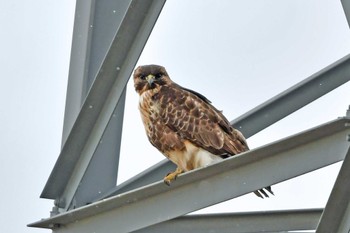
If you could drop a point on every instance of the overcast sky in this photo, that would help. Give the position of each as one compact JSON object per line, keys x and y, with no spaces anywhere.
{"x":237,"y":53}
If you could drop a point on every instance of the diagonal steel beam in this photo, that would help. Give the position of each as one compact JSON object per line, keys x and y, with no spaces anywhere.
{"x":79,"y":61}
{"x":336,"y":215}
{"x":346,"y":8}
{"x":101,"y":101}
{"x":294,"y":98}
{"x":94,"y":27}
{"x":246,"y":222}
{"x":260,"y":117}
{"x":233,"y":177}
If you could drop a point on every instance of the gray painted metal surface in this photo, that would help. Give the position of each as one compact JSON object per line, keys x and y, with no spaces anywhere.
{"x":336,"y":215}
{"x":247,"y":222}
{"x":101,"y":173}
{"x":104,"y":19}
{"x":155,"y":203}
{"x":107,"y":90}
{"x":294,"y":98}
{"x":91,"y":23}
{"x":260,"y":117}
{"x":105,"y":54}
{"x":346,"y":8}
{"x":79,"y":60}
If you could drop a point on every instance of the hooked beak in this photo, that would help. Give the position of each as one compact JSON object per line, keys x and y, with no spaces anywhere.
{"x":150,"y":79}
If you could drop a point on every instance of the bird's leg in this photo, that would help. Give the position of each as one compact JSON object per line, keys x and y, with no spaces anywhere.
{"x":172,"y":176}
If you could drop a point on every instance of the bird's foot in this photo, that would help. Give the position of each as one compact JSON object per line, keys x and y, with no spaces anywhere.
{"x":261,"y":192}
{"x":172,"y":176}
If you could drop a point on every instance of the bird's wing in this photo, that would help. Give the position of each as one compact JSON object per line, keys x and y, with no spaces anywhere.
{"x":192,"y":116}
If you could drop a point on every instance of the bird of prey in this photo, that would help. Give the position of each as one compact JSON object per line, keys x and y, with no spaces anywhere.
{"x":183,"y":124}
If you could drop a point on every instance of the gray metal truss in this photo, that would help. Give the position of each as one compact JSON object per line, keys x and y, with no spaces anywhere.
{"x":336,"y":216}
{"x":155,"y":203}
{"x":86,"y":151}
{"x":346,"y":8}
{"x":109,"y":36}
{"x":247,"y":222}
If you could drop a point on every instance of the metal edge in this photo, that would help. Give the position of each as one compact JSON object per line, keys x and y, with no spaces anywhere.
{"x":100,"y":90}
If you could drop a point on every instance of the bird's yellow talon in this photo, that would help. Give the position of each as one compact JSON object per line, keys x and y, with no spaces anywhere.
{"x":172,"y":176}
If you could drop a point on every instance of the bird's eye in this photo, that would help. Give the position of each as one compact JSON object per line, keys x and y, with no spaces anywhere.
{"x":143,"y":77}
{"x":158,"y":76}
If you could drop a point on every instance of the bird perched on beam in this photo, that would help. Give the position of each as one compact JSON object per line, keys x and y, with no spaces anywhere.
{"x":183,"y":124}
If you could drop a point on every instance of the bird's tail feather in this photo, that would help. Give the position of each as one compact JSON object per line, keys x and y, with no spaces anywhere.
{"x":261,"y":192}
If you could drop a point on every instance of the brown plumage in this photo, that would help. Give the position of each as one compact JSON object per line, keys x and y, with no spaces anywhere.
{"x":183,"y":124}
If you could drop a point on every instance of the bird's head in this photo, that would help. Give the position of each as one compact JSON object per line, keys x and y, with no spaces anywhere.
{"x":148,"y":77}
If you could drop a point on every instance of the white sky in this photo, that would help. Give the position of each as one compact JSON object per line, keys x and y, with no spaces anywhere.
{"x":236,"y":53}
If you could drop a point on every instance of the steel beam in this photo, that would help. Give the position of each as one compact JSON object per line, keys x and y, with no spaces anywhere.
{"x":246,"y":222}
{"x":150,"y":175}
{"x":79,"y":61}
{"x":260,"y":117}
{"x":346,"y":8}
{"x":93,"y":19}
{"x":336,"y":215}
{"x":294,"y":98}
{"x":106,"y":91}
{"x":233,"y":177}
{"x":102,"y":171}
